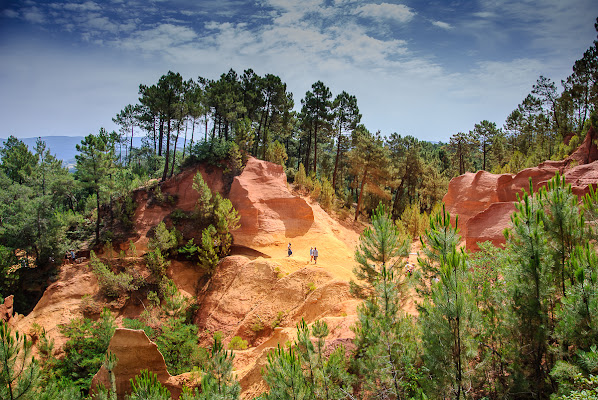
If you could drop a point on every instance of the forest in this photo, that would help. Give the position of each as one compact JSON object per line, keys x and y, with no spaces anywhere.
{"x":512,"y":323}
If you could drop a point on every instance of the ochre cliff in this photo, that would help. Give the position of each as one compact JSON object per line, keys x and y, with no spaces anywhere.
{"x":484,"y":202}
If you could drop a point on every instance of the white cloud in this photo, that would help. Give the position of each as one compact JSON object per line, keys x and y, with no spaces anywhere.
{"x":159,"y":38}
{"x":10,"y":13}
{"x":34,"y":15}
{"x":442,"y":25}
{"x":399,"y":12}
{"x":87,"y":6}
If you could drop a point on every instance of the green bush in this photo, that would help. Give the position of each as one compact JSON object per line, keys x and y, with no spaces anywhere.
{"x":146,"y":386}
{"x":163,"y":239}
{"x":87,"y":342}
{"x":111,"y":284}
{"x":236,"y":343}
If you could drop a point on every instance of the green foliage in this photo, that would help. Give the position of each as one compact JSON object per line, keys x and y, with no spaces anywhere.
{"x":218,"y":381}
{"x":85,"y":349}
{"x":94,"y":167}
{"x":585,"y":389}
{"x":163,"y":239}
{"x":136,"y":324}
{"x":303,"y":372}
{"x":203,"y":206}
{"x":18,"y":372}
{"x":437,"y":242}
{"x":236,"y":343}
{"x":124,"y":211}
{"x":17,"y":161}
{"x":316,"y":190}
{"x":387,"y":340}
{"x":111,"y":284}
{"x":413,"y":222}
{"x":327,"y":195}
{"x":379,"y":246}
{"x":146,"y":386}
{"x":156,"y":264}
{"x":278,"y":320}
{"x":577,"y":323}
{"x":276,"y":153}
{"x":447,"y":323}
{"x":301,"y":177}
{"x":530,"y":283}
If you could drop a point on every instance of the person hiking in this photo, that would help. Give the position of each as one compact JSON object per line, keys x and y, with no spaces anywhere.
{"x":289,"y":250}
{"x":311,"y":254}
{"x":315,"y":255}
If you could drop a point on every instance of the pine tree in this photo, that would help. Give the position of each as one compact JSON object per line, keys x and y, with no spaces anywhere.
{"x":146,"y":386}
{"x":437,"y":242}
{"x":94,"y":166}
{"x":387,"y":342}
{"x":284,"y":376}
{"x":203,"y":206}
{"x":446,"y":319}
{"x":379,"y":247}
{"x":564,"y":226}
{"x":531,"y":289}
{"x":218,"y":381}
{"x":18,"y":370}
{"x":304,"y":372}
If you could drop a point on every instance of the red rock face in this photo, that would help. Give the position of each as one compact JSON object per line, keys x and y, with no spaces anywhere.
{"x":267,"y":208}
{"x":6,"y":309}
{"x":484,"y":202}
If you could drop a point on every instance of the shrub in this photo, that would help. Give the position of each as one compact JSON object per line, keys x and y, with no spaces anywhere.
{"x":257,"y":325}
{"x":163,"y":239}
{"x":85,"y":348}
{"x":278,"y":320}
{"x":301,"y":177}
{"x":146,"y":386}
{"x":316,"y":190}
{"x":236,"y":343}
{"x":327,"y":195}
{"x":156,"y":264}
{"x":311,"y":287}
{"x":111,"y":284}
{"x":276,"y":153}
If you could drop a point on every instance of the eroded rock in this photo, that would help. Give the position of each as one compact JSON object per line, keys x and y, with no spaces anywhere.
{"x":134,"y":352}
{"x":485,"y":201}
{"x":266,"y":206}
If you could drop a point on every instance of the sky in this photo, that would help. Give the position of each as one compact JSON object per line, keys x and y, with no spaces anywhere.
{"x":428,"y":69}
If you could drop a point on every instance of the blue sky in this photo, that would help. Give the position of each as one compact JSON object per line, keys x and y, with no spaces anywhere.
{"x":424,"y":68}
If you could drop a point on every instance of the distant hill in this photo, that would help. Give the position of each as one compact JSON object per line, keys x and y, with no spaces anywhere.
{"x":62,"y":147}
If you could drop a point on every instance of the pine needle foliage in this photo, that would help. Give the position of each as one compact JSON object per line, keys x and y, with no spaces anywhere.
{"x":146,"y":386}
{"x":379,"y":246}
{"x":530,"y":282}
{"x":437,"y":242}
{"x":19,"y":372}
{"x":388,"y":348}
{"x":304,"y":372}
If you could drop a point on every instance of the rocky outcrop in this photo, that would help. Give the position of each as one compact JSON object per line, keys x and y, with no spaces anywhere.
{"x":134,"y":352}
{"x":61,"y":302}
{"x":6,"y":309}
{"x":485,"y":201}
{"x":262,"y":301}
{"x":267,"y":208}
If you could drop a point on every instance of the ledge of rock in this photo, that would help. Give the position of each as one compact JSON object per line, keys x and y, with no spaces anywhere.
{"x":267,"y":208}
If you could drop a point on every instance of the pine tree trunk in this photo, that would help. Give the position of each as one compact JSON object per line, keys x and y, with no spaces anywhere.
{"x":360,"y":193}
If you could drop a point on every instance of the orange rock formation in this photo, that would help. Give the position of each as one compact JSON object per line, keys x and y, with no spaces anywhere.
{"x":484,"y":202}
